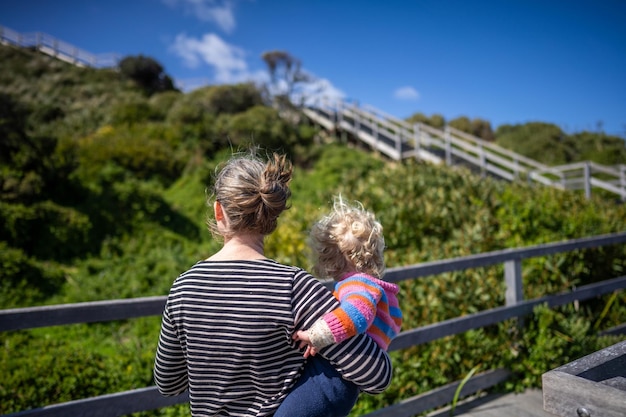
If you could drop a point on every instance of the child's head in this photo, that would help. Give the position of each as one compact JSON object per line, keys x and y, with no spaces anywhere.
{"x":349,"y":239}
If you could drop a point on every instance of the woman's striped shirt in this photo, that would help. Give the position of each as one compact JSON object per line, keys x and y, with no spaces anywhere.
{"x":226,"y":337}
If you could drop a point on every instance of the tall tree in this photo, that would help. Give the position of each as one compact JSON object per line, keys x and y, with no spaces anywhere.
{"x":147,"y":73}
{"x":286,"y":75}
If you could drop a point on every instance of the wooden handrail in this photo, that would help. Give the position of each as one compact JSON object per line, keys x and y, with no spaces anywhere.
{"x":98,"y":311}
{"x":52,"y":46}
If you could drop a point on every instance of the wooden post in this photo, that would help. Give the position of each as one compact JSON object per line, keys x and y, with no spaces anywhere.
{"x":399,"y":135}
{"x":622,"y":181}
{"x":483,"y":160}
{"x":416,"y":136}
{"x":513,"y":280}
{"x":375,"y":132}
{"x":448,"y":146}
{"x":587,"y":171}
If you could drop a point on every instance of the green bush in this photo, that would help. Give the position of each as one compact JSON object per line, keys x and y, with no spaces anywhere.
{"x":80,"y":361}
{"x":259,"y":126}
{"x":131,"y":113}
{"x":163,"y":102}
{"x":147,"y":73}
{"x":543,"y":142}
{"x":136,"y":149}
{"x":25,"y":281}
{"x":229,"y":99}
{"x":45,"y":230}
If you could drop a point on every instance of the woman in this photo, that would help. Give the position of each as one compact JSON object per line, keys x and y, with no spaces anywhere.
{"x":227,"y":327}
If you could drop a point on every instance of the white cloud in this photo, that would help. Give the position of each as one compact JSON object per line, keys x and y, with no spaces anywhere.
{"x":219,"y":12}
{"x":320,"y":89}
{"x":230,"y":66}
{"x":227,"y":60}
{"x":406,"y":93}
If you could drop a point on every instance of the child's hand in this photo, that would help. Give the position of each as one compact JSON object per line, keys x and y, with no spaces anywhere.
{"x":305,"y":341}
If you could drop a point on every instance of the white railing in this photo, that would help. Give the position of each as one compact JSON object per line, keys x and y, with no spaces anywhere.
{"x":59,"y":49}
{"x":399,"y":140}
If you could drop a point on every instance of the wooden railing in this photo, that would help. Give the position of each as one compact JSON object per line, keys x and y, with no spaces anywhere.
{"x":59,"y":49}
{"x":399,"y":140}
{"x":148,"y":398}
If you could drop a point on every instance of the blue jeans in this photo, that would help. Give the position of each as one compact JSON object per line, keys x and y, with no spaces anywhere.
{"x":320,"y":392}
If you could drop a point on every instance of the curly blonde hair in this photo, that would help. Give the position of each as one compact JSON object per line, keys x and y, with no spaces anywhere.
{"x":252,"y":192}
{"x":349,"y":239}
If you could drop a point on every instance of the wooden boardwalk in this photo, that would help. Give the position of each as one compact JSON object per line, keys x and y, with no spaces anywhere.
{"x":526,"y":404}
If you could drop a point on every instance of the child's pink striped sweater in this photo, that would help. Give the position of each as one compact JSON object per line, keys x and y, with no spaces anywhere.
{"x":367,"y":304}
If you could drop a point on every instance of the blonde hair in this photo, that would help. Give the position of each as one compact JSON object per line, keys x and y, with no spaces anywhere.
{"x":252,"y":193}
{"x":349,"y":239}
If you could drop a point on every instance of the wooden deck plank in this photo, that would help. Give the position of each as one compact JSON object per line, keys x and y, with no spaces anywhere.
{"x":526,"y":404}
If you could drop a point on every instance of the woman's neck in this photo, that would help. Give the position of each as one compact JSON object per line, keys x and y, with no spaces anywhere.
{"x":240,"y":247}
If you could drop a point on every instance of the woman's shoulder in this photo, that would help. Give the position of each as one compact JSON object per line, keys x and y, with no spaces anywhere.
{"x":268,"y":267}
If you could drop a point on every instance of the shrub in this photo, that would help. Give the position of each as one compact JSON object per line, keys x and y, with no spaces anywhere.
{"x":147,"y":73}
{"x":259,"y":126}
{"x":24,"y":281}
{"x":133,"y":148}
{"x":130,"y":113}
{"x":45,"y":230}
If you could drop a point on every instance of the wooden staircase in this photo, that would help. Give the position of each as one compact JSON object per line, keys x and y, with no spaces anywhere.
{"x":398,"y":140}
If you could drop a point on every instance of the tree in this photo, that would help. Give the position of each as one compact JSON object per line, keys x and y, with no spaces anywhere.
{"x":147,"y":73}
{"x":544,"y":142}
{"x":436,"y":120}
{"x":285,"y":74}
{"x":482,"y":129}
{"x":476,"y":127}
{"x":462,"y":123}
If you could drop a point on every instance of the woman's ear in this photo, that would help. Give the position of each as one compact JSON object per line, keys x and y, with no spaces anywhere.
{"x":219,"y":213}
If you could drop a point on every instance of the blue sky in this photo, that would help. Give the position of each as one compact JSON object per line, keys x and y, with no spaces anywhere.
{"x":505,"y":61}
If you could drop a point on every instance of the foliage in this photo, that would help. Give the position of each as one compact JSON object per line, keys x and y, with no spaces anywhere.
{"x":436,"y":120}
{"x":22,"y":277}
{"x":144,"y":151}
{"x":147,"y":73}
{"x":551,"y":338}
{"x":598,"y":147}
{"x":216,"y":100}
{"x":534,"y":139}
{"x":543,"y":142}
{"x":477,"y":127}
{"x":45,"y":230}
{"x":286,"y":75}
{"x":259,"y":126}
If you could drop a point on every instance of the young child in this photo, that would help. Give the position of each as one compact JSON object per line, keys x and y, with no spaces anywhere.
{"x":347,"y":246}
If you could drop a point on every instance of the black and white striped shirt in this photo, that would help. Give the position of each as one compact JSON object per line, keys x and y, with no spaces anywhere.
{"x":226,"y":337}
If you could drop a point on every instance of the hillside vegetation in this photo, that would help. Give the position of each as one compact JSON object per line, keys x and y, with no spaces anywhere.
{"x":102,"y":196}
{"x":544,"y":142}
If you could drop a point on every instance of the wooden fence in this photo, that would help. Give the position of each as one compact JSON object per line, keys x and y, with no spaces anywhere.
{"x":399,"y":140}
{"x":57,"y":48}
{"x":148,"y":398}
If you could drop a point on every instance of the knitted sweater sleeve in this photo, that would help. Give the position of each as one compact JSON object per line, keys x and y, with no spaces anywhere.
{"x":358,"y":359}
{"x":358,"y":297}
